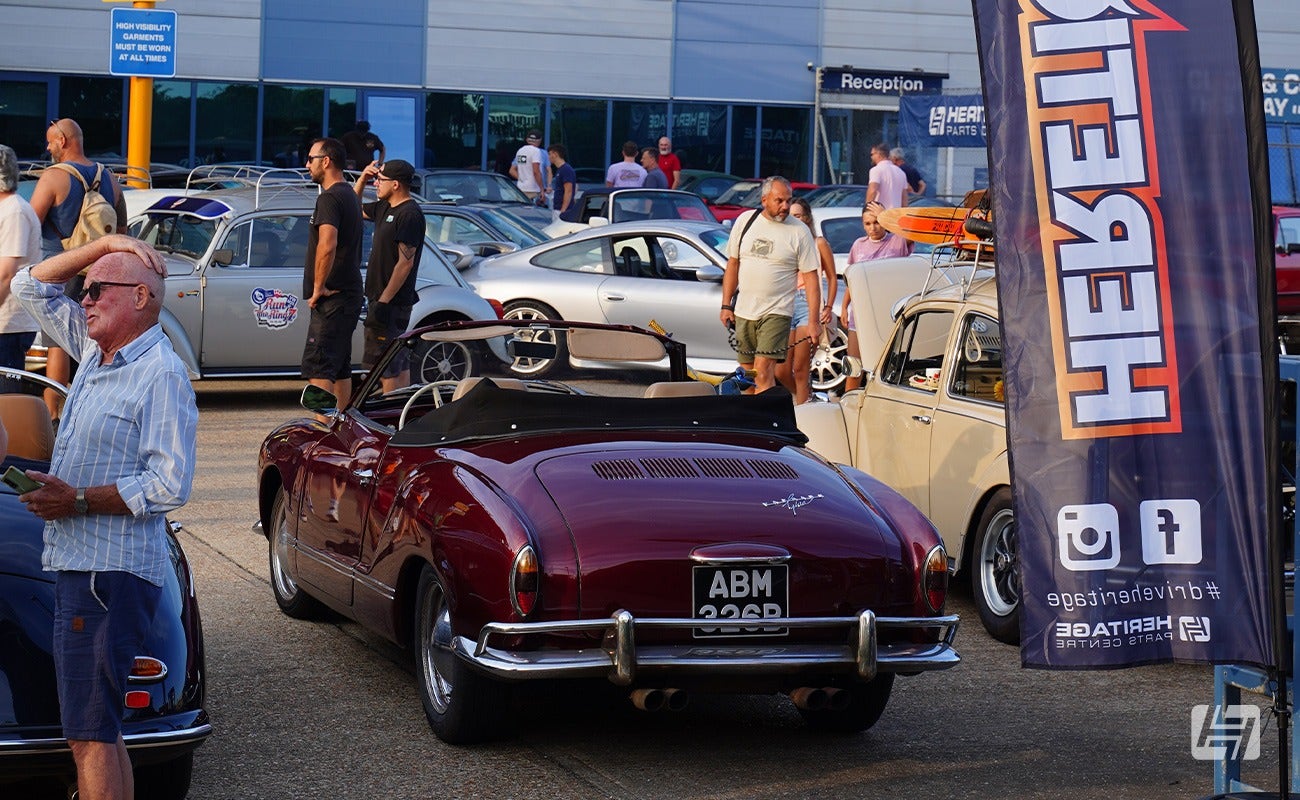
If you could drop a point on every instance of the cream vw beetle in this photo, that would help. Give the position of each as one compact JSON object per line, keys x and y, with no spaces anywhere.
{"x":234,"y":304}
{"x":929,"y":420}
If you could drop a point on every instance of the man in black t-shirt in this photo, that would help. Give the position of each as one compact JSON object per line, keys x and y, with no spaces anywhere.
{"x":394,"y":261}
{"x":332,"y":275}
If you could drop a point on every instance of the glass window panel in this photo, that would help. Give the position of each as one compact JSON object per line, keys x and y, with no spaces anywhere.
{"x":744,"y":120}
{"x":509,"y":120}
{"x":170,"y":137}
{"x":917,"y":346}
{"x":291,"y":119}
{"x":22,"y":116}
{"x":453,"y":130}
{"x":584,"y":256}
{"x":225,"y":122}
{"x":96,"y":105}
{"x":342,"y":111}
{"x":579,"y":125}
{"x":642,"y":123}
{"x":786,"y":134}
{"x":700,"y":136}
{"x":979,"y":362}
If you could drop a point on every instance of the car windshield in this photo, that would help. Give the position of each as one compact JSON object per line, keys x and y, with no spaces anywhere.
{"x":471,"y":187}
{"x":641,"y":205}
{"x":617,"y":378}
{"x":717,"y":239}
{"x":842,"y":233}
{"x":736,"y":194}
{"x":842,"y":197}
{"x":515,"y":228}
{"x":178,"y":233}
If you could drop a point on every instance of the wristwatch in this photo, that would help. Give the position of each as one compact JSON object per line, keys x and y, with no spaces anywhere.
{"x":80,"y":503}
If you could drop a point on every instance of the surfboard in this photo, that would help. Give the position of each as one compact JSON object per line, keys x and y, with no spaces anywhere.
{"x":926,"y":225}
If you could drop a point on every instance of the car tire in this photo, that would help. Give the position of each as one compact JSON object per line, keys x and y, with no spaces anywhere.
{"x":536,"y":367}
{"x":169,"y":780}
{"x":826,"y":364}
{"x":995,"y":569}
{"x":866,"y":703}
{"x":289,"y":596}
{"x":462,"y":706}
{"x":443,"y":361}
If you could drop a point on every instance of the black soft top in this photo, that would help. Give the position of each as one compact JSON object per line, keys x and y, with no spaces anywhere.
{"x":488,"y":411}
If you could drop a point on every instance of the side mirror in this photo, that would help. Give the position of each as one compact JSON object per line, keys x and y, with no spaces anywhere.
{"x":1292,"y":248}
{"x":318,"y":400}
{"x":492,"y":248}
{"x":596,"y":222}
{"x":223,"y":256}
{"x":708,"y":274}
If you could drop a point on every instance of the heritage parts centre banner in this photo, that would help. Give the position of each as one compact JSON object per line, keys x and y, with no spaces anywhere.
{"x":1132,"y":283}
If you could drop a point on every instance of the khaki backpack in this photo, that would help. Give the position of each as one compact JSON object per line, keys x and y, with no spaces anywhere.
{"x":98,"y":217}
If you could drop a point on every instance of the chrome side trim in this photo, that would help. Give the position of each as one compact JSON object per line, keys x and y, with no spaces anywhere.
{"x":621,"y":661}
{"x":375,"y":586}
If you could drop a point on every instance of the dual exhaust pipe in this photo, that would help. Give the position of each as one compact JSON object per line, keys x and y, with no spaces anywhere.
{"x":660,"y":699}
{"x":830,"y":698}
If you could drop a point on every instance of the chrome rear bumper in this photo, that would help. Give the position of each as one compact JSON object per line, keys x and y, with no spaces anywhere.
{"x":622,"y":661}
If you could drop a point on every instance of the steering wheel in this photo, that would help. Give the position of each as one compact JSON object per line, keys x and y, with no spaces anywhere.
{"x":436,"y":388}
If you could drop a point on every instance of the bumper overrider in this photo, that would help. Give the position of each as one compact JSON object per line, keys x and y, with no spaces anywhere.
{"x":622,"y":661}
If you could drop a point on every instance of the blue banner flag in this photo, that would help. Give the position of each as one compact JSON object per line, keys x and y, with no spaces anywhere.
{"x":1129,"y":187}
{"x":932,"y":120}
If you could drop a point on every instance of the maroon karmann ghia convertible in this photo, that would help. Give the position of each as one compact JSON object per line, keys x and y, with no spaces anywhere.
{"x":657,"y":536}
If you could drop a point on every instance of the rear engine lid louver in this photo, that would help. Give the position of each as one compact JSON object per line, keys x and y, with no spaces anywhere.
{"x":717,"y":468}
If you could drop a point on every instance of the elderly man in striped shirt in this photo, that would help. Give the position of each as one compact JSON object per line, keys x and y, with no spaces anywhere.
{"x":123,"y":458}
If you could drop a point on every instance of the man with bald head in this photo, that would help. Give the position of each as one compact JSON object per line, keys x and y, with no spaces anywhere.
{"x":57,"y":203}
{"x":123,"y":458}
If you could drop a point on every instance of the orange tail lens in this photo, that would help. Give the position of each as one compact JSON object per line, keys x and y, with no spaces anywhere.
{"x":934,"y":578}
{"x":524,"y":581}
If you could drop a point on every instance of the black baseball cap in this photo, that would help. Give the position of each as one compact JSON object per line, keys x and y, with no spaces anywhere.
{"x":398,"y":170}
{"x":535,"y":134}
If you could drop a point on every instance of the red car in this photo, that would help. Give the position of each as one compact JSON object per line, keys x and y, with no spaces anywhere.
{"x":641,"y":531}
{"x":746,"y":195}
{"x":1286,"y":232}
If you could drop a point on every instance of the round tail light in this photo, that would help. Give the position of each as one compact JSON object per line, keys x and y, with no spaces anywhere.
{"x":934,"y":578}
{"x":524,"y":581}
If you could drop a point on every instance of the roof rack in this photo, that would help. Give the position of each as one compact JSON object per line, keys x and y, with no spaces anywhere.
{"x":260,"y":178}
{"x":968,"y":264}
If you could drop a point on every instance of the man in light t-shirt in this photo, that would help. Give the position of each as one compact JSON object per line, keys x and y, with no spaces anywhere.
{"x":766,"y":251}
{"x":527,"y":169}
{"x":886,"y":183}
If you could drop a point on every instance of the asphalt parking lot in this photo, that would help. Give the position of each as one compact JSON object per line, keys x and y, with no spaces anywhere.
{"x":325,"y":710}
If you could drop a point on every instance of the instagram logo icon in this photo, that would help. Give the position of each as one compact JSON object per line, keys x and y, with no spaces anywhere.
{"x":1088,"y":536}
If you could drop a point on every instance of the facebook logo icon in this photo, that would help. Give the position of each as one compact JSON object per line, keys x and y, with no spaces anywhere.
{"x":1171,"y":531}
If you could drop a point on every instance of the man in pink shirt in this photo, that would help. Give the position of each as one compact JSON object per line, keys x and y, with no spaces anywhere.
{"x":886,"y":183}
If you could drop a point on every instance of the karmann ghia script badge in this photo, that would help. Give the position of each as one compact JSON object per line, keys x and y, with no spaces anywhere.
{"x":794,"y":502}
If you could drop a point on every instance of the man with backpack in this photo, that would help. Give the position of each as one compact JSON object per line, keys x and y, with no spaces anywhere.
{"x":71,"y":214}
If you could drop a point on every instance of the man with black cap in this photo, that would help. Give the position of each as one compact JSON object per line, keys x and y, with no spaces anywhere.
{"x":394,"y":261}
{"x":527,"y":169}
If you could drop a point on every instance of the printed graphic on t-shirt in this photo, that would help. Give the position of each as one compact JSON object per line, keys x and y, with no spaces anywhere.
{"x":762,"y":248}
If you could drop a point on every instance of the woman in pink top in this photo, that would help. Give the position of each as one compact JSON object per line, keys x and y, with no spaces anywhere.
{"x":878,"y":243}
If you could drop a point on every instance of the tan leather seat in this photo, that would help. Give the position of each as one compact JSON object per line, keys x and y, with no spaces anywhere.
{"x":466,"y":384}
{"x":679,"y":389}
{"x":27,"y":421}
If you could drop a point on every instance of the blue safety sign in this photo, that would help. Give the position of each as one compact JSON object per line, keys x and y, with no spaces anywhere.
{"x":142,"y":43}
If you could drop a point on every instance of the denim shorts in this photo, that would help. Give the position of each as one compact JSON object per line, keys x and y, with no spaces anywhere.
{"x":100,"y":623}
{"x":800,"y":317}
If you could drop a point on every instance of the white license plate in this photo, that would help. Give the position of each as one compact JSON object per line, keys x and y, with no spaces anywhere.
{"x":741,"y":592}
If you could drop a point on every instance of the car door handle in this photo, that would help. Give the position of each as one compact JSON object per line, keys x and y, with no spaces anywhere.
{"x":615,"y":298}
{"x":924,"y":419}
{"x":194,"y":293}
{"x":363,"y":475}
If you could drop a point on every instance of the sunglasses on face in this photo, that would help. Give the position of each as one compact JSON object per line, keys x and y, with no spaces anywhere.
{"x":96,"y":288}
